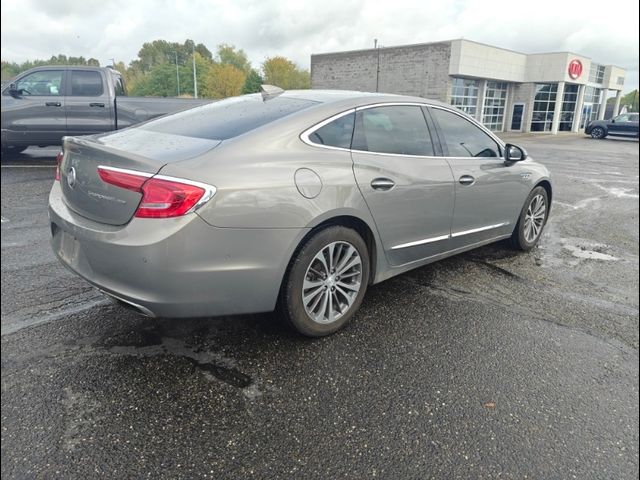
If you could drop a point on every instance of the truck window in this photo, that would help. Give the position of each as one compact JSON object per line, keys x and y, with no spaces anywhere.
{"x":43,"y":83}
{"x":118,"y":84}
{"x":86,"y":83}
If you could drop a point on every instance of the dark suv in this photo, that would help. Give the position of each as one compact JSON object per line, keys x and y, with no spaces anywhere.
{"x":624,"y":125}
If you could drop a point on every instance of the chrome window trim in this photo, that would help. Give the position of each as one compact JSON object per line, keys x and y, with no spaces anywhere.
{"x":447,"y":237}
{"x":304,"y":136}
{"x":209,"y":190}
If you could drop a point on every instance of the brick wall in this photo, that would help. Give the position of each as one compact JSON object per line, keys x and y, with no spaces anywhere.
{"x":420,"y":70}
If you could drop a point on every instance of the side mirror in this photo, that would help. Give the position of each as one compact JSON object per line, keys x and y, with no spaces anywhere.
{"x":613,"y":120}
{"x":13,"y":91}
{"x":513,"y":153}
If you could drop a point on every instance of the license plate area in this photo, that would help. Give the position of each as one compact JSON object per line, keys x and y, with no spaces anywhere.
{"x":68,"y":247}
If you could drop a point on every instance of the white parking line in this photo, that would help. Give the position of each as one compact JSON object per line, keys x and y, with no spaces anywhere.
{"x":4,"y":220}
{"x":28,"y":166}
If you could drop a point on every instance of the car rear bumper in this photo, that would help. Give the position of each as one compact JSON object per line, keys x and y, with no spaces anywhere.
{"x":177,"y":267}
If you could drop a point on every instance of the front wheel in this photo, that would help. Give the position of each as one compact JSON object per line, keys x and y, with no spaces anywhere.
{"x":598,"y":133}
{"x":533,"y":218}
{"x":326,"y":282}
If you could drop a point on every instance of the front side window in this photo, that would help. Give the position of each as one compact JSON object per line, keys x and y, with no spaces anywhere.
{"x":463,"y":138}
{"x":335,"y":134}
{"x":43,"y":83}
{"x":394,"y":130}
{"x":86,"y":84}
{"x":622,"y":118}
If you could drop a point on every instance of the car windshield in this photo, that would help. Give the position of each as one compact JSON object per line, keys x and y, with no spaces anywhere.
{"x":228,"y":118}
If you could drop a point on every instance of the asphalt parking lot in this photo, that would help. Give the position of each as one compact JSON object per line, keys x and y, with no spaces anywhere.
{"x":490,"y":364}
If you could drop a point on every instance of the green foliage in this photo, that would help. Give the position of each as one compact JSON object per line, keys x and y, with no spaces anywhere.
{"x":283,"y":73}
{"x":630,"y":100}
{"x":229,"y":55}
{"x":11,"y":69}
{"x":153,"y":72}
{"x":224,"y":80}
{"x":252,"y":82}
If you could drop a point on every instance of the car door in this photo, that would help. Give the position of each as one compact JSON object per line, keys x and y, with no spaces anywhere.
{"x":35,"y":115}
{"x":408,"y":189}
{"x":619,"y":125}
{"x":88,"y":107}
{"x":489,"y":192}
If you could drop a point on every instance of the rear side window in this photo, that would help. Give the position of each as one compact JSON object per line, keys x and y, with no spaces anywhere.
{"x":463,"y":138}
{"x":335,"y":134}
{"x":86,"y":84}
{"x":395,"y":129}
{"x":227,"y":118}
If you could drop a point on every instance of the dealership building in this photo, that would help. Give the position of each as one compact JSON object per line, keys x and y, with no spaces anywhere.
{"x":503,"y":89}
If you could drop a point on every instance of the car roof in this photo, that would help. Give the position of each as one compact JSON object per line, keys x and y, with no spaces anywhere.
{"x":353,"y":98}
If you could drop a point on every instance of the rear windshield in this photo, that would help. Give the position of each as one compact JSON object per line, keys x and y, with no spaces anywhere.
{"x":227,"y":118}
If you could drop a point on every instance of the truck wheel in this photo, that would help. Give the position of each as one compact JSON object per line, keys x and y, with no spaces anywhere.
{"x":326,"y":282}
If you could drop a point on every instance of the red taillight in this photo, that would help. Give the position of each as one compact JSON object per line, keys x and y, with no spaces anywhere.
{"x":167,"y":198}
{"x":162,"y":197}
{"x":58,"y":162}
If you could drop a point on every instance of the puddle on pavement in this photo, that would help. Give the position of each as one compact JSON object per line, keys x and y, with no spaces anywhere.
{"x":150,"y":343}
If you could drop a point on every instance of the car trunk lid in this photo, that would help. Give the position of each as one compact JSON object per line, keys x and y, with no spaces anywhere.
{"x":139,"y":151}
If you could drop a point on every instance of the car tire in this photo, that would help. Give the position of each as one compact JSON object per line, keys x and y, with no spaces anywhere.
{"x":315,"y":299}
{"x":598,"y":133}
{"x":532,"y":220}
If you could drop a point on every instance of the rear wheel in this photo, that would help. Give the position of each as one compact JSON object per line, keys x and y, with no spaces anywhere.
{"x":533,"y":218}
{"x":598,"y":133}
{"x":326,"y":282}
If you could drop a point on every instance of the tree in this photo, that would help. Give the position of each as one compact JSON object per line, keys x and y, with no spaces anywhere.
{"x":223,"y":80}
{"x":252,"y":82}
{"x":229,"y":55}
{"x":630,"y":100}
{"x":283,"y":73}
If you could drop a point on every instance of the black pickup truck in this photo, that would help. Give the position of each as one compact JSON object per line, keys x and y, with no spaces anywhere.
{"x":43,"y":104}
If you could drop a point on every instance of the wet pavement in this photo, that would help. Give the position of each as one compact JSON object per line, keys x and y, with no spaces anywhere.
{"x":490,"y":364}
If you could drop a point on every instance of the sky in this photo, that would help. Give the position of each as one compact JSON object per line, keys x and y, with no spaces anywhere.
{"x":106,"y":29}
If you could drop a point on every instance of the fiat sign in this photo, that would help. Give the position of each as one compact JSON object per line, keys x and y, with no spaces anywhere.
{"x":575,"y":69}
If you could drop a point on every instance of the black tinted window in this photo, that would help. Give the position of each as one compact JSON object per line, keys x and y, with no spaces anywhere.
{"x":43,"y":83}
{"x":463,"y":138}
{"x":335,"y":134}
{"x":397,"y":129}
{"x":86,"y":84}
{"x":227,"y":118}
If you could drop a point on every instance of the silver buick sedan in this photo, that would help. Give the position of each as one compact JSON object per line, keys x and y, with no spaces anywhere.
{"x":290,"y":201}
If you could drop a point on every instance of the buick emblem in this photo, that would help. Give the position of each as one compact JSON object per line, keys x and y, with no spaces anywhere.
{"x":71,"y":178}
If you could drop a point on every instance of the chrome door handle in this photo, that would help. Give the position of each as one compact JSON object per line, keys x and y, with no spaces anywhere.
{"x":382,"y":184}
{"x":467,"y":180}
{"x":96,"y":104}
{"x":53,"y":104}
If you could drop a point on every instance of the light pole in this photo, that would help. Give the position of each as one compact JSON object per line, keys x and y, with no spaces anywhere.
{"x":177,"y":73}
{"x":195,"y":78}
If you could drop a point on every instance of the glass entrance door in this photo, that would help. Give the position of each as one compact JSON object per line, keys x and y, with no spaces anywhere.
{"x":586,"y":114}
{"x":516,"y":117}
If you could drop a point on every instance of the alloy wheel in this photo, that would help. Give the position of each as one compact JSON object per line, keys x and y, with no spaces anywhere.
{"x":534,"y":218}
{"x":332,"y":282}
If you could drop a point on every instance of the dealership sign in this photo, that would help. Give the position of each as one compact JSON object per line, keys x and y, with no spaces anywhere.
{"x":575,"y":69}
